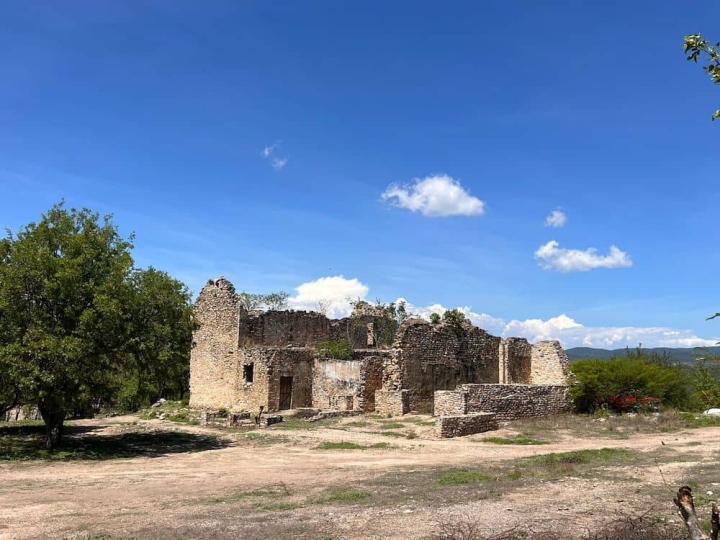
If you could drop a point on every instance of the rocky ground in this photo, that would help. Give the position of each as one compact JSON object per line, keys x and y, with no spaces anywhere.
{"x":358,"y":477}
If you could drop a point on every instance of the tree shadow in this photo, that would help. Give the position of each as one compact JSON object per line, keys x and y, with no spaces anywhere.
{"x":26,"y":442}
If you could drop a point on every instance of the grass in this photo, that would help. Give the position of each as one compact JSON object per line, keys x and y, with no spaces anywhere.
{"x":360,"y":423}
{"x":460,"y":477}
{"x":392,"y":425}
{"x":269,"y":493}
{"x":346,"y":497}
{"x":517,"y":439}
{"x":346,"y":445}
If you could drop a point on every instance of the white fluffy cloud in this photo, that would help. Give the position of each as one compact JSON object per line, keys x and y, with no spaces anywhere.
{"x":438,"y":195}
{"x":331,"y":292}
{"x":573,"y":334}
{"x":553,"y":257}
{"x":557,"y":218}
{"x":334,"y":292}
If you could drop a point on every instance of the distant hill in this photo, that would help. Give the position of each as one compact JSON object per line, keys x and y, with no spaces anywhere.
{"x":679,"y":355}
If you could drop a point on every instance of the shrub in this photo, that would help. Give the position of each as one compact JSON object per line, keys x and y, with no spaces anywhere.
{"x":339,"y":350}
{"x":628,"y":384}
{"x":434,"y":318}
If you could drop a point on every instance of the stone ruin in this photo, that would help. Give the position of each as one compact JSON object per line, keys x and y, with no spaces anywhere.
{"x":279,"y":360}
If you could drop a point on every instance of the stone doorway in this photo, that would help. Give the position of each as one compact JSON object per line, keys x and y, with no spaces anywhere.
{"x":285,"y":393}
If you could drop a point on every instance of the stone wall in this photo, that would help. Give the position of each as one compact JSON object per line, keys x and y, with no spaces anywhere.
{"x":214,"y":358}
{"x":549,"y":363}
{"x":429,"y":357}
{"x":336,"y":384}
{"x":515,"y":361}
{"x":466,"y":424}
{"x":509,"y":401}
{"x":450,"y":403}
{"x":392,"y":402}
{"x":371,"y":377}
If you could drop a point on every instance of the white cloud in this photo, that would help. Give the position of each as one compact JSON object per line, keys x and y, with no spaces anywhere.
{"x":279,"y":163}
{"x":270,"y":152}
{"x":434,"y":196}
{"x":483,"y":320}
{"x":557,"y":218}
{"x":267,"y":151}
{"x":553,"y":257}
{"x":333,"y":291}
{"x":573,"y":334}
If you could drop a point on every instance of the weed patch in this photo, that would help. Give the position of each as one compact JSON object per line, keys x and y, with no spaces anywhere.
{"x":459,"y":477}
{"x":518,"y":439}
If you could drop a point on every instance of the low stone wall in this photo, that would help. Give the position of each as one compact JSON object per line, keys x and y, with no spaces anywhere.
{"x":392,"y":402}
{"x":465,"y":424}
{"x":507,"y":401}
{"x":450,"y":402}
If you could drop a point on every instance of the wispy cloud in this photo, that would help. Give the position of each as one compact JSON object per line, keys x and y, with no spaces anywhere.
{"x":270,"y":153}
{"x":552,"y":257}
{"x":438,"y":195}
{"x":279,"y":163}
{"x":557,"y":218}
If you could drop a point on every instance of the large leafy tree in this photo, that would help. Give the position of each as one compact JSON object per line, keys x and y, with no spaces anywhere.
{"x":161,"y":335}
{"x":64,"y":300}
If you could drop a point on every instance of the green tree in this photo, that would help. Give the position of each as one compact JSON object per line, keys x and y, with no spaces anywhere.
{"x":453,"y":316}
{"x":435,"y":318}
{"x":64,"y":296}
{"x":162,"y":323}
{"x":696,"y":46}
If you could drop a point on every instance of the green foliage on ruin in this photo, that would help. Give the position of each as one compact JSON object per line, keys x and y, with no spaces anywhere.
{"x":435,"y":318}
{"x":272,"y":301}
{"x":338,"y":350}
{"x":453,"y":316}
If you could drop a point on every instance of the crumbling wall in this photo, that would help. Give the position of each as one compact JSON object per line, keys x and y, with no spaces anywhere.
{"x":507,"y":401}
{"x":549,"y":363}
{"x":295,"y":363}
{"x":429,"y":357}
{"x":371,"y":377}
{"x":515,"y":361}
{"x":336,"y":384}
{"x":284,"y":329}
{"x":465,"y":424}
{"x":392,"y":402}
{"x":214,"y":358}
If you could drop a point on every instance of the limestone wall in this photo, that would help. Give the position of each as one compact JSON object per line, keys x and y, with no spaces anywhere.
{"x":515,"y":361}
{"x":466,"y":424}
{"x":429,"y":357}
{"x":392,"y":402}
{"x":549,"y":363}
{"x":509,"y":401}
{"x":371,"y":377}
{"x":336,"y":384}
{"x":214,"y":358}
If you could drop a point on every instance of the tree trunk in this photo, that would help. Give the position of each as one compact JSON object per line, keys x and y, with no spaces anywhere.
{"x":684,"y":502}
{"x":53,"y":414}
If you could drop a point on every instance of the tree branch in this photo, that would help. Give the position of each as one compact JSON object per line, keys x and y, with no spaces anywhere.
{"x":684,"y":502}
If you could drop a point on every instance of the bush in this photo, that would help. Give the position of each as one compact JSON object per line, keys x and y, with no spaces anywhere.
{"x":339,"y":350}
{"x":625,"y":384}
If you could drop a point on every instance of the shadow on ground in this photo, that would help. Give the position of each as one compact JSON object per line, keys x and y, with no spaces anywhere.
{"x":26,"y":442}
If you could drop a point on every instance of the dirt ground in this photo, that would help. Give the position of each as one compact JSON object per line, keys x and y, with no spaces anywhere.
{"x":279,"y":483}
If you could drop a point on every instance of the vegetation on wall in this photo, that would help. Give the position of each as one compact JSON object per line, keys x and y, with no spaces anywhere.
{"x":273,"y":301}
{"x":338,"y":350}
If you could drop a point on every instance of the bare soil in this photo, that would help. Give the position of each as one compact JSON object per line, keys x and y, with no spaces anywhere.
{"x":278,"y":483}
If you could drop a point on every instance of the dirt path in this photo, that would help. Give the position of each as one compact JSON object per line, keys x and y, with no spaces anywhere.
{"x":193,"y":494}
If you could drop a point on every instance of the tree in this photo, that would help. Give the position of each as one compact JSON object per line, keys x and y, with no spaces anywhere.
{"x":272,"y":301}
{"x":435,"y":318}
{"x":453,"y":316}
{"x":277,"y":300}
{"x":696,"y":47}
{"x":64,"y":297}
{"x":161,"y":335}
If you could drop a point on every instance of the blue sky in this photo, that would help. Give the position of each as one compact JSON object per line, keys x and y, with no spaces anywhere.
{"x":453,"y":154}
